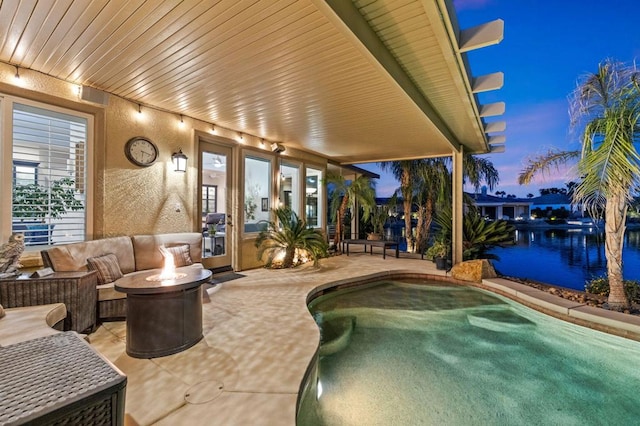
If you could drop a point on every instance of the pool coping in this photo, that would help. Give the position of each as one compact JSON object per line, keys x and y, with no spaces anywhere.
{"x":612,"y":322}
{"x":617,"y":323}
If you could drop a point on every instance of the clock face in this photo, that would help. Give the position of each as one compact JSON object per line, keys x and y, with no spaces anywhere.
{"x":141,"y":151}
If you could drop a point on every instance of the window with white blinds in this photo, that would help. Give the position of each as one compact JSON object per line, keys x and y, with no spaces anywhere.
{"x":49,"y":175}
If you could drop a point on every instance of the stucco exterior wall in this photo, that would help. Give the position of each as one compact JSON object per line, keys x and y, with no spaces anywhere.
{"x":128,"y":199}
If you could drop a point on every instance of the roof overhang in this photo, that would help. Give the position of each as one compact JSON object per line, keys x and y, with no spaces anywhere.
{"x":355,"y":81}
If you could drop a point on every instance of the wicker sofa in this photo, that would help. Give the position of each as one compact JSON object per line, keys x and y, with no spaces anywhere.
{"x":135,"y":254}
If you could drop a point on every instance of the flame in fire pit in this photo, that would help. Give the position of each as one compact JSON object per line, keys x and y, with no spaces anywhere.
{"x":168,"y":272}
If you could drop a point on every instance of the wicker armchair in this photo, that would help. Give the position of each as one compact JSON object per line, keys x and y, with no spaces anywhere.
{"x":77,"y":290}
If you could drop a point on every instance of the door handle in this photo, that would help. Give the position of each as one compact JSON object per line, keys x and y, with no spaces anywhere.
{"x":229,"y":220}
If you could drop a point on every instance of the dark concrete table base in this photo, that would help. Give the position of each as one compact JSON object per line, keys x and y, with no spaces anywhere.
{"x":165,"y":319}
{"x":163,"y":324}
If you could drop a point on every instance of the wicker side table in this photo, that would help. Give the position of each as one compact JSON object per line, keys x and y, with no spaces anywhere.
{"x":59,"y":380}
{"x":77,"y":290}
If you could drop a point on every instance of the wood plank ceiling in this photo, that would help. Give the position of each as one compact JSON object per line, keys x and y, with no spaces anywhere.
{"x":282,"y":70}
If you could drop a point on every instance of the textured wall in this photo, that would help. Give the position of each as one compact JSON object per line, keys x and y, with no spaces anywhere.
{"x":146,"y":199}
{"x":134,"y":200}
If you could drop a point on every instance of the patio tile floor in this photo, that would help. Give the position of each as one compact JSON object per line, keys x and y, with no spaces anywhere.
{"x":258,"y":341}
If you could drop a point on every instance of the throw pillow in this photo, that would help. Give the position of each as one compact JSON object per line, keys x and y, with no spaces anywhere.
{"x":181,"y":256}
{"x":107,"y":266}
{"x":2,"y":313}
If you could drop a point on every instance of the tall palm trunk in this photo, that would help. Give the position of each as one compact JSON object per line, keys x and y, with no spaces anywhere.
{"x":407,"y":196}
{"x":289,"y":255}
{"x":339,"y":222}
{"x":615,"y":215}
{"x":419,"y":238}
{"x":425,"y":218}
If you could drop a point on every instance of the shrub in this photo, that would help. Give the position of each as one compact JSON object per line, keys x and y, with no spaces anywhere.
{"x":479,"y":236}
{"x":600,"y":285}
{"x":289,"y":236}
{"x":438,"y":249}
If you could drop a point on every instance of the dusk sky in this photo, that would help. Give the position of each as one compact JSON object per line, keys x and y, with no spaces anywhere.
{"x":548,"y":45}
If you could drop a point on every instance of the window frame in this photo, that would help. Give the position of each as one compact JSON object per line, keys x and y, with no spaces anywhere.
{"x":7,"y":103}
{"x":321,"y":205}
{"x":260,"y":156}
{"x":21,"y":163}
{"x":215,"y":199}
{"x":295,"y":191}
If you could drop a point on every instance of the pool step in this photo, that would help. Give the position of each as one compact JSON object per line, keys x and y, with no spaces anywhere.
{"x":336,"y":334}
{"x":500,"y":320}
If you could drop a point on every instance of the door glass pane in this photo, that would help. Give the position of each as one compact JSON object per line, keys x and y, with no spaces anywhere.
{"x":257,"y":178}
{"x":290,"y":187}
{"x":313,"y":194}
{"x":214,"y":209}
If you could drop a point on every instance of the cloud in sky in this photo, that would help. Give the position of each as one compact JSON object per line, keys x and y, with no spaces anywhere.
{"x":540,"y":72}
{"x":532,"y":130}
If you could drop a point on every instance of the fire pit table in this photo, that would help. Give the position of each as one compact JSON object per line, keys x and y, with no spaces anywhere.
{"x":164,"y":316}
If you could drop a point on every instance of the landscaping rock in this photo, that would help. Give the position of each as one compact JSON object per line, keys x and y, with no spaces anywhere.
{"x":473,"y":270}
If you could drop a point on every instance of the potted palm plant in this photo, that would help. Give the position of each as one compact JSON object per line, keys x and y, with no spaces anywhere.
{"x":288,"y":239}
{"x":438,"y":252}
{"x":34,"y":203}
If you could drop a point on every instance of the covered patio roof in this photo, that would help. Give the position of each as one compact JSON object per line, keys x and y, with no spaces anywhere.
{"x":359,"y":81}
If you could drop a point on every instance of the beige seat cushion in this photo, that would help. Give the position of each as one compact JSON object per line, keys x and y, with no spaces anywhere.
{"x":147,"y":252}
{"x":73,"y":257}
{"x":30,"y":322}
{"x":108,"y":292}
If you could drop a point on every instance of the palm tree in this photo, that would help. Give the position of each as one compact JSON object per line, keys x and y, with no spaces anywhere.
{"x":345,"y":194}
{"x":427,"y":184}
{"x":477,"y":170}
{"x":433,"y":184}
{"x":288,"y":235}
{"x":406,"y":171}
{"x":605,"y":108}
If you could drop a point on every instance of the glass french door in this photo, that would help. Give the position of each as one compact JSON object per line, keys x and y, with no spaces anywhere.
{"x":215,"y":196}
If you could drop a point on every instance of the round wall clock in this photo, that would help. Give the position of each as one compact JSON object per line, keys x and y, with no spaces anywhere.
{"x":141,"y":151}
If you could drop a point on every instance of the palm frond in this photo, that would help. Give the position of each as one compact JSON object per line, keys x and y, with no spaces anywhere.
{"x":553,"y":159}
{"x":478,"y":170}
{"x":287,"y":234}
{"x":610,"y":163}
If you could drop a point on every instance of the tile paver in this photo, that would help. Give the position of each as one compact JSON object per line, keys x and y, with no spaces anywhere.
{"x":259,"y":340}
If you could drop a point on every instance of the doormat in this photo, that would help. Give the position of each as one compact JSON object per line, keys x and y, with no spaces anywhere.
{"x":224,"y":277}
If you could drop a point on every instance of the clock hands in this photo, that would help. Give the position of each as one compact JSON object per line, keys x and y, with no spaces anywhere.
{"x":140,"y":151}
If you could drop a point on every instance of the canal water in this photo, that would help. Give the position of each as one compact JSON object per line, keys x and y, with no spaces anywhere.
{"x":564,"y":257}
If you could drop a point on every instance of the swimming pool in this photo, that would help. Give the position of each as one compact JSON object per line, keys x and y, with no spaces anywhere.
{"x":404,"y":352}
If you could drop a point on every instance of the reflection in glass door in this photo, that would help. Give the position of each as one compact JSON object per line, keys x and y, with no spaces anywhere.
{"x":215,"y":162}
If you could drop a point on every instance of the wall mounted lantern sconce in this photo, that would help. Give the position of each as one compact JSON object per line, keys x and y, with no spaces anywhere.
{"x":179,"y":161}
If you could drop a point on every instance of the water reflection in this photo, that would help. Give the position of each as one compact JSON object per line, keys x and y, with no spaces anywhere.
{"x":564,"y":257}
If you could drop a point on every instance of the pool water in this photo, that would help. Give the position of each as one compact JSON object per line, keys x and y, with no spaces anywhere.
{"x":406,"y":353}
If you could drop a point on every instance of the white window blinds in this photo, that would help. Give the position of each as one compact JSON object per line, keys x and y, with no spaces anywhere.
{"x":49,"y":163}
